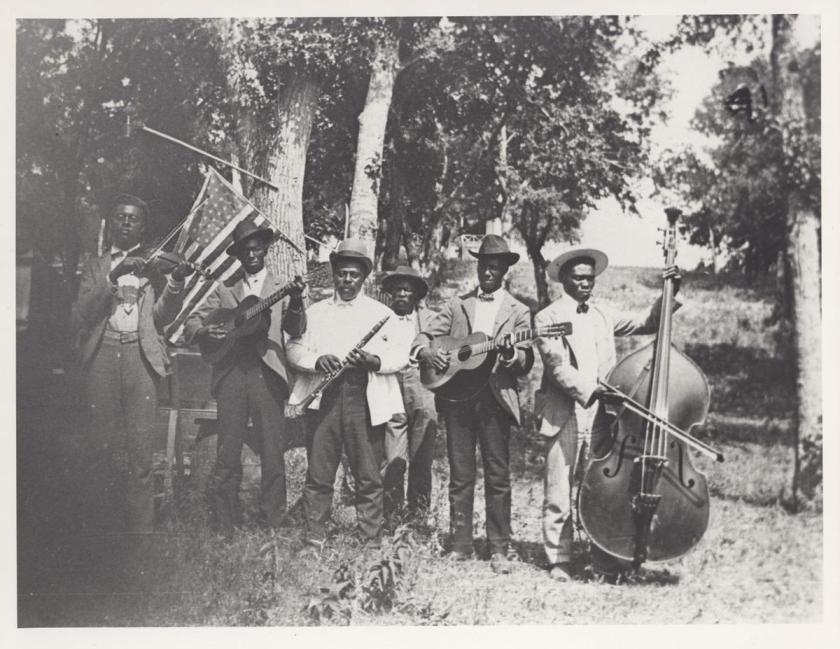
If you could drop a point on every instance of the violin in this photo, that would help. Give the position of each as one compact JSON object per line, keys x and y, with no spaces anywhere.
{"x":643,"y":500}
{"x":165,"y":262}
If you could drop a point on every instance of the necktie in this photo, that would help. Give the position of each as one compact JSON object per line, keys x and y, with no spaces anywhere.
{"x":485,"y":297}
{"x":583,"y":307}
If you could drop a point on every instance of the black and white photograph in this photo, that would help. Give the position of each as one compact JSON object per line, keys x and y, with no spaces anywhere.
{"x":421,"y":317}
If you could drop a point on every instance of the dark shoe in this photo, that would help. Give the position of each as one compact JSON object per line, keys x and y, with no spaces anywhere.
{"x":500,"y":564}
{"x":560,"y":572}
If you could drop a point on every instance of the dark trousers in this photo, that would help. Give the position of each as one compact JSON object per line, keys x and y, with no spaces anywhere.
{"x":250,"y":390}
{"x":418,"y":428}
{"x":480,"y":420}
{"x":342,"y":422}
{"x":121,"y":395}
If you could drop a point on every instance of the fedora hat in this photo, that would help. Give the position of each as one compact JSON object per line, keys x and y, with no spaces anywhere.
{"x":598,"y":258}
{"x":245,"y":230}
{"x":354,"y":249}
{"x":406,"y":272}
{"x":492,"y":245}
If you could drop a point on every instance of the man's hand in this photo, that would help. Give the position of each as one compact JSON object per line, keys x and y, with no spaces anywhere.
{"x":364,"y":360}
{"x":609,"y":397}
{"x":438,"y":359}
{"x":126,"y":267}
{"x":181,"y":272}
{"x":507,"y":350}
{"x":212,"y":332}
{"x":673,"y":272}
{"x":328,"y":363}
{"x":296,"y":288}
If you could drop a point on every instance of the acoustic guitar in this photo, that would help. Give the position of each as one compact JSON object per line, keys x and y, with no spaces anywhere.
{"x":250,"y":316}
{"x":471,"y":360}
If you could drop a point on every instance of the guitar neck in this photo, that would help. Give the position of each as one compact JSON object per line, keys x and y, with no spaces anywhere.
{"x":274,"y":298}
{"x":495,"y":343}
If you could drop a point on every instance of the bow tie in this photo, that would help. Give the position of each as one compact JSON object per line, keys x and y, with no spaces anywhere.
{"x":486,"y":297}
{"x":583,"y":307}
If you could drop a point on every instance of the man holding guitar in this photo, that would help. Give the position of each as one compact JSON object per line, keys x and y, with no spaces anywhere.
{"x":486,"y":417}
{"x":250,"y":380}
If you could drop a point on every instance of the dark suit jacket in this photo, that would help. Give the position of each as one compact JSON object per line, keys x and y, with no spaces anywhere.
{"x":271,"y":349}
{"x":455,"y":319}
{"x":95,"y":303}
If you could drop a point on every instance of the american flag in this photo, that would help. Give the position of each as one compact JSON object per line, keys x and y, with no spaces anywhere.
{"x":204,"y":238}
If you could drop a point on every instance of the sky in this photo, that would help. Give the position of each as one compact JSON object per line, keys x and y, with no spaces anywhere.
{"x":631,"y":240}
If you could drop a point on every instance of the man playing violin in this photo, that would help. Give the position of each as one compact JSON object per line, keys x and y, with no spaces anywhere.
{"x":252,"y":382}
{"x":120,"y":311}
{"x":572,"y":367}
{"x":486,"y":418}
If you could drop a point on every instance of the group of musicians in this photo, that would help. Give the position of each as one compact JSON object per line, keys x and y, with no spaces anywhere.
{"x":377,"y":413}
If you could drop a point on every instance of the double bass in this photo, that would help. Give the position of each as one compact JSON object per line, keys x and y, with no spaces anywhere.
{"x":643,"y":500}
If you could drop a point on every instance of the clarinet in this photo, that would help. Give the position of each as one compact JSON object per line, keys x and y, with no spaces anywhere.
{"x":295,"y":410}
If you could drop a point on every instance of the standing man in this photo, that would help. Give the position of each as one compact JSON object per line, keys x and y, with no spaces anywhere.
{"x":252,"y":381}
{"x":485,"y":419}
{"x":410,"y":436}
{"x":119,"y":314}
{"x":572,"y":368}
{"x":351,"y":413}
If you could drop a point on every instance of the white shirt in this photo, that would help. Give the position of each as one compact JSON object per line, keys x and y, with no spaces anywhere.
{"x":253,"y":284}
{"x":485,"y":311}
{"x":334,"y":326}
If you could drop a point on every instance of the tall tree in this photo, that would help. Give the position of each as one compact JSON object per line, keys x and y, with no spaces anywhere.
{"x":803,"y":250}
{"x":367,"y":176}
{"x":794,"y":123}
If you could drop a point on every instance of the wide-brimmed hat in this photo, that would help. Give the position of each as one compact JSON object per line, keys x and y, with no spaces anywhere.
{"x":354,"y":249}
{"x":492,"y":245}
{"x":598,"y":258}
{"x":408,"y":273}
{"x":246,"y":230}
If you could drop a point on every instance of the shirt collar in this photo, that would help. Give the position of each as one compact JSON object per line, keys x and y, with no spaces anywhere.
{"x":495,"y":294}
{"x":120,"y":252}
{"x":256,"y":277}
{"x":337,"y":301}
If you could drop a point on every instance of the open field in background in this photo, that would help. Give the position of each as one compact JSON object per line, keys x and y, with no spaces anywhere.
{"x":757,"y":563}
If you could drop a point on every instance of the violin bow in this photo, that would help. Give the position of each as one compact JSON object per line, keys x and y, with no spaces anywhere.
{"x":634,"y":406}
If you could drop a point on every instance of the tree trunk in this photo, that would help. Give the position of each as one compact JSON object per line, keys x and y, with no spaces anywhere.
{"x":540,"y":264}
{"x":372,"y":121}
{"x":284,"y":165}
{"x":395,"y":224}
{"x":804,"y":254}
{"x":713,"y":242}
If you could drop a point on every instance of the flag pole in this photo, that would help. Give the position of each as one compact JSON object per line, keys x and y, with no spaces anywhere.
{"x":206,"y":155}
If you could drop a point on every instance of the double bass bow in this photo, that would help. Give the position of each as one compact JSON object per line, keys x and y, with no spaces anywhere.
{"x":643,"y":500}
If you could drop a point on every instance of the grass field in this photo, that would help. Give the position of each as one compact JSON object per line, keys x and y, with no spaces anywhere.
{"x":756,"y":563}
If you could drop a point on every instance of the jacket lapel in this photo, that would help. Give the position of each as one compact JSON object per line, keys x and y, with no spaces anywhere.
{"x":504,"y":312}
{"x":270,"y":285}
{"x":468,"y":307}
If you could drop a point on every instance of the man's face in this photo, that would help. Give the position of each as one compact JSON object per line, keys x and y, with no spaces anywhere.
{"x":252,"y":254}
{"x":127,"y":225}
{"x":491,"y":271}
{"x":578,"y":280}
{"x":348,"y":277}
{"x":403,"y":296}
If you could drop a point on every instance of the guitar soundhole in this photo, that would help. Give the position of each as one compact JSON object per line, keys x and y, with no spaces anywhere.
{"x":464,"y":353}
{"x":239,"y":321}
